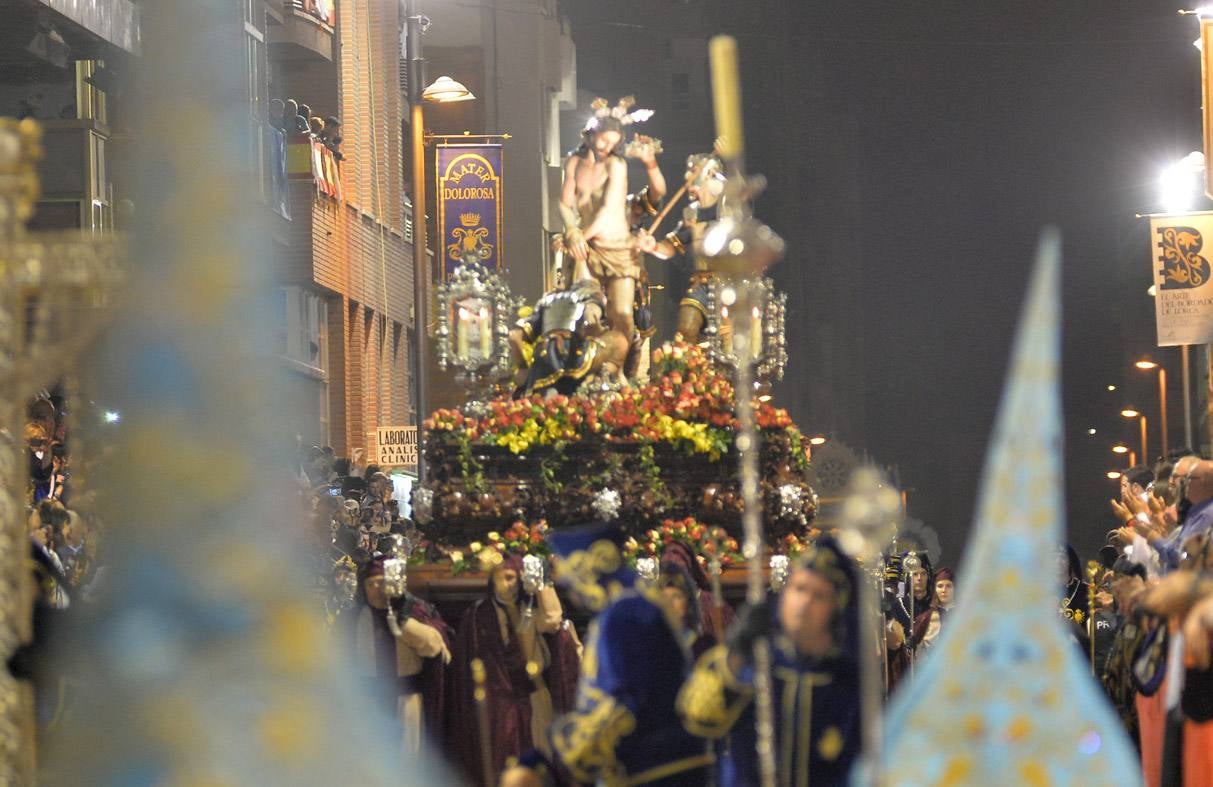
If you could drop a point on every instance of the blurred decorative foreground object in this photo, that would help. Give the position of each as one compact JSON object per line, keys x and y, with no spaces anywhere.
{"x":205,"y":660}
{"x":1005,"y":699}
{"x":55,"y":289}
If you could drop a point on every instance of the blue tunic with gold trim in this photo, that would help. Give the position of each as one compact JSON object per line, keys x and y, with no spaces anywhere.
{"x":816,"y":704}
{"x":625,"y":729}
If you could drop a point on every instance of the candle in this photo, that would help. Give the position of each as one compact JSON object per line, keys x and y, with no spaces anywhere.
{"x":756,"y":332}
{"x":462,"y":340}
{"x":486,"y":335}
{"x":726,"y":95}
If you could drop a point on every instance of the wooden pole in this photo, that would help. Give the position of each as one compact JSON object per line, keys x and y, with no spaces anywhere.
{"x":1187,"y":384}
{"x":480,"y":694}
{"x":1162,"y":406}
{"x":421,"y":262}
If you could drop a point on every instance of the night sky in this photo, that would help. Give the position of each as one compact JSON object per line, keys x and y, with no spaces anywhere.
{"x":915,"y":151}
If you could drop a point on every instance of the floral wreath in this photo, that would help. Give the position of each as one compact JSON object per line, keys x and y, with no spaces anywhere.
{"x":706,"y":543}
{"x":794,"y":546}
{"x":520,"y":539}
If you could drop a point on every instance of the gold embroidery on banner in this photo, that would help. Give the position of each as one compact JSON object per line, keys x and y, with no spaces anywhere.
{"x":583,"y":569}
{"x":704,"y":702}
{"x":586,"y":739}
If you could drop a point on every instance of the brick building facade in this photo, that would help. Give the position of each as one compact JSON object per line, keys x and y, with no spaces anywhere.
{"x":345,"y":265}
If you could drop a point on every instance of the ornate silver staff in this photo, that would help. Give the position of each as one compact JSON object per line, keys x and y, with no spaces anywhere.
{"x":910,"y":566}
{"x":739,"y":248}
{"x":870,"y":514}
{"x":396,"y":579}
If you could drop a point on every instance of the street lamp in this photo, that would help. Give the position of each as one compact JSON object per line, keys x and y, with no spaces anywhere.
{"x":1130,"y":413}
{"x":1145,"y":364}
{"x":444,"y":90}
{"x":1181,"y":183}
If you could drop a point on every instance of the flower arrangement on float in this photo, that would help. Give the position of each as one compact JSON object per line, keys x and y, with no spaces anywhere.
{"x":794,"y":545}
{"x":519,"y":539}
{"x":707,"y":543}
{"x":687,"y":404}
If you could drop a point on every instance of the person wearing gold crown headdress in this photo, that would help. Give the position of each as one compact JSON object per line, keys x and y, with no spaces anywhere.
{"x":593,"y":205}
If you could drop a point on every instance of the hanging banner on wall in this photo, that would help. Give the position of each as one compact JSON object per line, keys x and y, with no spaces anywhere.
{"x":469,"y":204}
{"x":1182,"y":245}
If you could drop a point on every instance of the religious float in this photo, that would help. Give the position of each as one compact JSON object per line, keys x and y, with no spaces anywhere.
{"x":660,"y":455}
{"x":665,"y":449}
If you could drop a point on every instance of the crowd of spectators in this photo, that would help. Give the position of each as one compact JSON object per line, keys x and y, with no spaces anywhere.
{"x":354,"y":519}
{"x":1152,"y":590}
{"x":295,"y":119}
{"x":64,"y":536}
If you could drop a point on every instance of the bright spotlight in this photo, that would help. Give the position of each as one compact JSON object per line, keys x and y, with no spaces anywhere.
{"x":112,"y":417}
{"x":1129,"y":412}
{"x":1113,"y":474}
{"x":1179,"y":185}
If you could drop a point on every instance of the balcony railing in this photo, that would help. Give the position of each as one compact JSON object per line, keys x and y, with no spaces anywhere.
{"x":306,"y":30}
{"x":320,"y":10}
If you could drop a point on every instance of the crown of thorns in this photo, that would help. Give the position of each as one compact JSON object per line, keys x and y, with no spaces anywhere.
{"x":622,"y":112}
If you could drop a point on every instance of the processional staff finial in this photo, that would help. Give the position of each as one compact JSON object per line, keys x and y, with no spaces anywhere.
{"x":739,"y":248}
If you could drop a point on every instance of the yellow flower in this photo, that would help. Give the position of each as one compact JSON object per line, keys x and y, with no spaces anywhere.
{"x":494,"y":536}
{"x":456,"y":557}
{"x":475,"y":546}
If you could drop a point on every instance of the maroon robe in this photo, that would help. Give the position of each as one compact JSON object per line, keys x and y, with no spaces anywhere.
{"x":714,"y":623}
{"x":433,"y":676}
{"x":386,"y":686}
{"x":564,"y":671}
{"x":508,"y":689}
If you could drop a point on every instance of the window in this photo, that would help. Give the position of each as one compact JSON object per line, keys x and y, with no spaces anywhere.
{"x":306,"y":335}
{"x":411,"y":336}
{"x":256,"y":87}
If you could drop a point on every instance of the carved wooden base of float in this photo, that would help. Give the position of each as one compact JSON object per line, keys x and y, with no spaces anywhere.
{"x":492,"y":488}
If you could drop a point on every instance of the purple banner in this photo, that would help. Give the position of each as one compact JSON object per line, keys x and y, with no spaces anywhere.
{"x":469,"y":205}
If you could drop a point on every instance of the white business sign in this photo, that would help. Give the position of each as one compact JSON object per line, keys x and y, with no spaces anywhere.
{"x":396,"y":446}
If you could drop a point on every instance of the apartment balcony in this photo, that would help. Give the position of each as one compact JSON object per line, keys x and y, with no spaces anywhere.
{"x":306,"y":32}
